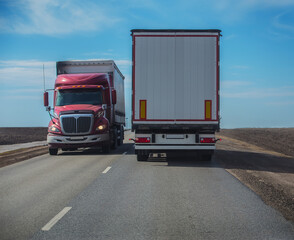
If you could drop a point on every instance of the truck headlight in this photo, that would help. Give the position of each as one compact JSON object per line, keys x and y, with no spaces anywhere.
{"x":101,"y":127}
{"x":53,"y":129}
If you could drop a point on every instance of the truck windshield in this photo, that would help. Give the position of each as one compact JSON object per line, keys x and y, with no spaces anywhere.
{"x":79,"y":96}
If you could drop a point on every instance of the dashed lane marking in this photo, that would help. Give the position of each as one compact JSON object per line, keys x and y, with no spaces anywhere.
{"x":106,"y":170}
{"x":54,"y":220}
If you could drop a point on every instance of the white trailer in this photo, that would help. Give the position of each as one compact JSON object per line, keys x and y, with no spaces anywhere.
{"x":175,"y":102}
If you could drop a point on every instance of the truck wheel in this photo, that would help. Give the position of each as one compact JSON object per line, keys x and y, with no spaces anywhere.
{"x":114,"y":135}
{"x":142,"y":157}
{"x":53,"y":151}
{"x":106,"y":147}
{"x":121,"y":136}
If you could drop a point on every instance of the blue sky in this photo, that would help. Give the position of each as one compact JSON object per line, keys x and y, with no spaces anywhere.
{"x":257,"y":51}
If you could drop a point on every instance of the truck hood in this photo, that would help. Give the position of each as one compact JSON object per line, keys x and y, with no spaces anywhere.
{"x":78,"y":107}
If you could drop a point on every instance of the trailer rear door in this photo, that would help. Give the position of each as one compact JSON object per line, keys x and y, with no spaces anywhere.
{"x":175,"y":77}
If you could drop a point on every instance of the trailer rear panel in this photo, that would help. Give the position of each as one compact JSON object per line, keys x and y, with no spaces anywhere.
{"x":175,"y":77}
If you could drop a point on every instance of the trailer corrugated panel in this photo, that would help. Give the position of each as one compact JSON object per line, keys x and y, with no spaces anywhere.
{"x":175,"y":77}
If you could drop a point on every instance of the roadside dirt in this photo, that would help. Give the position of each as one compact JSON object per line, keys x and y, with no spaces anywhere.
{"x":15,"y":135}
{"x":11,"y":157}
{"x":275,"y":139}
{"x":268,"y":173}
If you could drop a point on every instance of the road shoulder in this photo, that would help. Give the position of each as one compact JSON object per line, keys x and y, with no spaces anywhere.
{"x":18,"y":155}
{"x":269,"y":174}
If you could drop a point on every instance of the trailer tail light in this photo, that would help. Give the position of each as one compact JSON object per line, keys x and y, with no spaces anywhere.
{"x":143,"y":109}
{"x":142,"y":140}
{"x":207,"y":140}
{"x":207,"y":109}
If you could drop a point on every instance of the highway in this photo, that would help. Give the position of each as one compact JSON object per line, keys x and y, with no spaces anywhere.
{"x":89,"y":195}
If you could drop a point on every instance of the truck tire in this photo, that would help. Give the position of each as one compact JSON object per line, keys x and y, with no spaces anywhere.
{"x":53,"y":151}
{"x":121,"y":136}
{"x":106,"y":147}
{"x":114,"y":140}
{"x":142,"y":157}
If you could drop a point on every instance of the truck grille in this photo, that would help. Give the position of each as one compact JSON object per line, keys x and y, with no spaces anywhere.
{"x":76,"y":124}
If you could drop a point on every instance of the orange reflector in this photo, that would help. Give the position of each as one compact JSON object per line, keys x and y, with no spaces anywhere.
{"x":143,"y":109}
{"x":207,"y":109}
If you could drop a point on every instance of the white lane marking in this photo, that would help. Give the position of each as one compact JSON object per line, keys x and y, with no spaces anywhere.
{"x":54,"y":220}
{"x":106,"y":170}
{"x":125,"y":153}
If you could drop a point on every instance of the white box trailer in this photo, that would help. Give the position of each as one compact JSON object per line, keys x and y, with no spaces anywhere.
{"x":99,"y":66}
{"x":175,"y":102}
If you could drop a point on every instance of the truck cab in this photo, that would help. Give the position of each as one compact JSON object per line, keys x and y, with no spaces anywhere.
{"x":85,"y":113}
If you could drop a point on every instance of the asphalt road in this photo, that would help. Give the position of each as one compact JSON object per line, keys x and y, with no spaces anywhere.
{"x":85,"y":195}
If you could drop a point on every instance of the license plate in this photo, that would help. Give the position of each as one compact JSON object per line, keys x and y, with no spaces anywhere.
{"x":174,"y":136}
{"x":76,"y":138}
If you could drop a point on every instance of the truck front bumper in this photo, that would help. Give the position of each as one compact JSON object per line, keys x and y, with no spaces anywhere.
{"x":56,"y":141}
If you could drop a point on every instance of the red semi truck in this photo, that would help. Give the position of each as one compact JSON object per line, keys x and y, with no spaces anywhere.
{"x":89,"y":107}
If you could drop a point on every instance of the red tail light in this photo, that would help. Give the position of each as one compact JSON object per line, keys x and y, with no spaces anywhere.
{"x":207,"y":140}
{"x":142,"y":140}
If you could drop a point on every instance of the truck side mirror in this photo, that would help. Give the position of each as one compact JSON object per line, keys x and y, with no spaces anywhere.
{"x":46,"y":101}
{"x":113,"y":92}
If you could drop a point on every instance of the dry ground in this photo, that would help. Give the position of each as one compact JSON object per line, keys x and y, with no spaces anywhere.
{"x":262,"y":159}
{"x":22,"y":135}
{"x":275,"y":139}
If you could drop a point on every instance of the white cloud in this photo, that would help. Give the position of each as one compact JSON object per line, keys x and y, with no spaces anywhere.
{"x":278,"y":22}
{"x":24,"y":63}
{"x":231,"y":36}
{"x":248,"y":4}
{"x":230,"y":84}
{"x":53,"y":17}
{"x":23,"y":97}
{"x":29,"y":73}
{"x":281,"y":103}
{"x":239,"y":67}
{"x":286,"y":91}
{"x":232,"y":11}
{"x":123,"y":62}
{"x":26,"y":73}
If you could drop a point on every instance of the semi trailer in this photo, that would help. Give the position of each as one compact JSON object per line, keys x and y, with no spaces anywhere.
{"x":175,"y":91}
{"x":88,"y":106}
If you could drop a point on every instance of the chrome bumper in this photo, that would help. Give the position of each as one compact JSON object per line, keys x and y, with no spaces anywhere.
{"x":55,"y":139}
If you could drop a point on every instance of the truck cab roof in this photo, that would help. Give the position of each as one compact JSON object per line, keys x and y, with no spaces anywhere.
{"x":82,"y":79}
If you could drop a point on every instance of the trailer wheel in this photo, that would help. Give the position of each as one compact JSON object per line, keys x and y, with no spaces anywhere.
{"x":53,"y":151}
{"x":114,"y":143}
{"x":142,"y":157}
